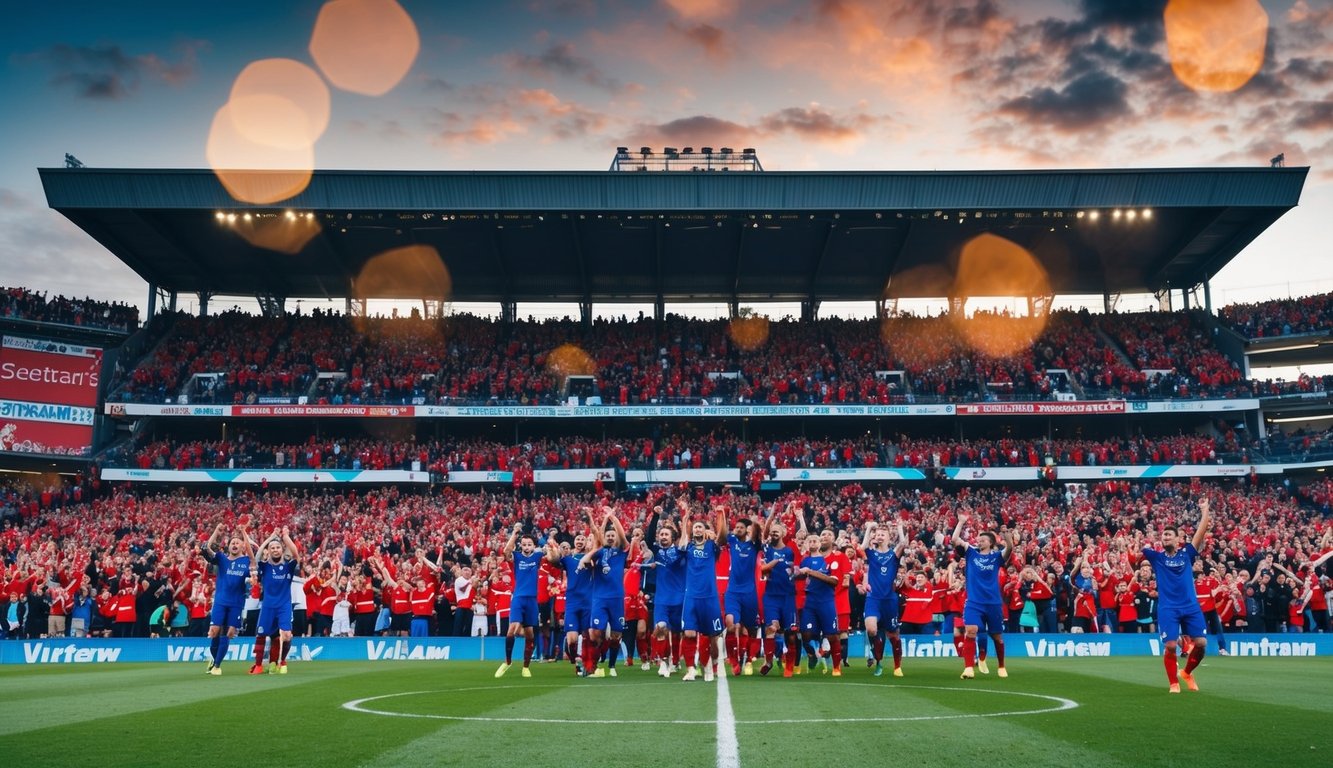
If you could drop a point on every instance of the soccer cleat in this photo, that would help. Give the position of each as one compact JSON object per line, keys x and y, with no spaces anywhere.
{"x":1002,"y":672}
{"x":708,"y":673}
{"x":747,"y":669}
{"x":663,"y":669}
{"x":982,"y":668}
{"x":527,"y":672}
{"x":599,"y":672}
{"x":612,"y":672}
{"x":870,"y":662}
{"x":257,"y":669}
{"x":282,"y":668}
{"x":823,"y":665}
{"x":766,"y":668}
{"x":1175,"y":688}
{"x":1188,"y":678}
{"x":879,"y":670}
{"x":215,"y":671}
{"x":968,"y":673}
{"x":579,"y":671}
{"x":787,"y":671}
{"x":502,"y":670}
{"x":273,"y":667}
{"x":837,"y":671}
{"x":798,"y":669}
{"x":897,"y":671}
{"x":209,"y":671}
{"x":690,"y":675}
{"x":647,"y":665}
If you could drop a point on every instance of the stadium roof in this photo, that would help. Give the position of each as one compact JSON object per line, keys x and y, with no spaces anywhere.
{"x":602,"y":236}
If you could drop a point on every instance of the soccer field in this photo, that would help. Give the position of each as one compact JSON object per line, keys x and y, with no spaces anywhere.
{"x":1084,"y":712}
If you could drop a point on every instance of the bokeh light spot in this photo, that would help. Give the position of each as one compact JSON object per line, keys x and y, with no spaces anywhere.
{"x":409,"y":272}
{"x":749,"y":333}
{"x":1215,"y":45}
{"x":253,"y":172}
{"x":364,"y":46}
{"x":990,"y":265}
{"x":280,"y":102}
{"x":283,"y":234}
{"x":570,"y":360}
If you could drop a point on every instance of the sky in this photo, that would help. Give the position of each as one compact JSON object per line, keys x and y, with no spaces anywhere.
{"x":558,"y":84}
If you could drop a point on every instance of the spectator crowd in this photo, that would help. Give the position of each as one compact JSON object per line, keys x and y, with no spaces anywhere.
{"x":25,"y":304}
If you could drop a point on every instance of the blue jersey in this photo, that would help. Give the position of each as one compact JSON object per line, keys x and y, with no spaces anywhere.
{"x":815,"y":589}
{"x":578,"y":583}
{"x":1175,"y":576}
{"x":983,"y":576}
{"x":670,"y":577}
{"x":526,"y":568}
{"x":277,"y":583}
{"x":882,"y":571}
{"x":232,"y":573}
{"x":701,"y":569}
{"x":741,"y":578}
{"x":608,"y":574}
{"x":779,"y":578}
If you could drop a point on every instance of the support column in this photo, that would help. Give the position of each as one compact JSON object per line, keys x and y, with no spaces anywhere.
{"x":171,"y":301}
{"x":1207,"y":297}
{"x":204,"y":296}
{"x":152,"y":302}
{"x":585,"y":313}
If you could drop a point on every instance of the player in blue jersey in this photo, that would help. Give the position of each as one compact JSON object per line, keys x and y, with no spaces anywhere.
{"x":1178,"y":611}
{"x":820,"y":615}
{"x":741,"y":603}
{"x":668,"y":562}
{"x":578,"y":598}
{"x":607,"y":557}
{"x":233,"y":571}
{"x":984,"y":606}
{"x":881,"y":611}
{"x":274,"y":571}
{"x":700,"y":614}
{"x":777,"y":566}
{"x":523,"y":616}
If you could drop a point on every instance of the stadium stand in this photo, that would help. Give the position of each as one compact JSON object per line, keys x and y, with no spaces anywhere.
{"x":27,"y":304}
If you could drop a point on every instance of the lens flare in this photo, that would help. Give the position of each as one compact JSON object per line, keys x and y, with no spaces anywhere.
{"x":280,"y":103}
{"x":1215,"y":45}
{"x":570,"y":360}
{"x":284,"y":234}
{"x":990,"y":265}
{"x":410,"y":272}
{"x":748,"y":333}
{"x":253,"y":172}
{"x":364,"y":46}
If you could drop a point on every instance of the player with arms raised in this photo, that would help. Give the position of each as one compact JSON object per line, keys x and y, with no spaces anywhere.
{"x":523,"y":615}
{"x":607,"y":616}
{"x":1178,"y":611}
{"x":275,"y":572}
{"x":229,"y":592}
{"x":985,"y":605}
{"x":779,"y":560}
{"x":881,"y":611}
{"x":701,"y":615}
{"x":742,"y":601}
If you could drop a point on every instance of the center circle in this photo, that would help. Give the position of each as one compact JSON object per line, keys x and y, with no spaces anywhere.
{"x":1056,"y":704}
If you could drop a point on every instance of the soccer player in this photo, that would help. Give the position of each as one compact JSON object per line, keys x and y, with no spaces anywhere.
{"x":274,"y":572}
{"x":578,"y":597}
{"x":233,"y":568}
{"x":701,"y":616}
{"x":741,"y":601}
{"x":881,"y":614}
{"x":607,"y":618}
{"x":1178,"y":612}
{"x":820,"y":614}
{"x":984,"y":606}
{"x":779,"y":562}
{"x":523,"y":606}
{"x":668,"y":563}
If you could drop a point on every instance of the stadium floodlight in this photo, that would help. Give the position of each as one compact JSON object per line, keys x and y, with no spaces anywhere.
{"x":645,"y":151}
{"x":231,"y":217}
{"x":726,"y":151}
{"x":1095,"y":215}
{"x":1147,"y":213}
{"x":220,"y":216}
{"x":688,"y":151}
{"x":1115,"y":214}
{"x":1131,"y":214}
{"x":707,"y":151}
{"x":622,"y":150}
{"x":747,"y":151}
{"x":1081,"y":214}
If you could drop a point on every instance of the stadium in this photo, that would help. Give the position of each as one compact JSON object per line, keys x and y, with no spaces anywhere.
{"x":402,"y":482}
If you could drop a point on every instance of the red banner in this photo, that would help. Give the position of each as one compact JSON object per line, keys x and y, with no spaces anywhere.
{"x":49,"y":372}
{"x":374,"y":411}
{"x":1068,"y":408}
{"x":45,"y":437}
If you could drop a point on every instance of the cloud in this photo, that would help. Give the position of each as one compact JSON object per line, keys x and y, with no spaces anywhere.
{"x":695,"y":130}
{"x":560,"y":59}
{"x":703,"y":9}
{"x":1312,"y":115}
{"x":813,"y":123}
{"x":713,"y":41}
{"x":107,"y":72}
{"x":1089,"y":101}
{"x":816,"y":124}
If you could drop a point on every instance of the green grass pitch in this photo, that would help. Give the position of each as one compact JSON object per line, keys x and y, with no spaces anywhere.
{"x":1251,"y":712}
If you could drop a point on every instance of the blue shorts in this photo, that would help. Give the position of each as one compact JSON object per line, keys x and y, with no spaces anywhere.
{"x":607,"y":615}
{"x":819,"y":616}
{"x":577,"y":617}
{"x":701,"y":614}
{"x":274,"y":618}
{"x":1174,"y":622}
{"x":781,"y":610}
{"x":884,"y":610}
{"x":988,"y":619}
{"x":743,"y":607}
{"x":523,"y":612}
{"x":224,"y":615}
{"x":670,"y":615}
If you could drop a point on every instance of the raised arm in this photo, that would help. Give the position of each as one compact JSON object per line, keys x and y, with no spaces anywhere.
{"x":508,"y":548}
{"x":902,"y":539}
{"x":720,"y":523}
{"x":1205,"y":522}
{"x":595,"y":531}
{"x":958,"y":530}
{"x":618,"y":526}
{"x":869,"y":531}
{"x":1324,"y":558}
{"x":211,"y":544}
{"x":288,"y":546}
{"x":552,"y":551}
{"x":1010,"y":544}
